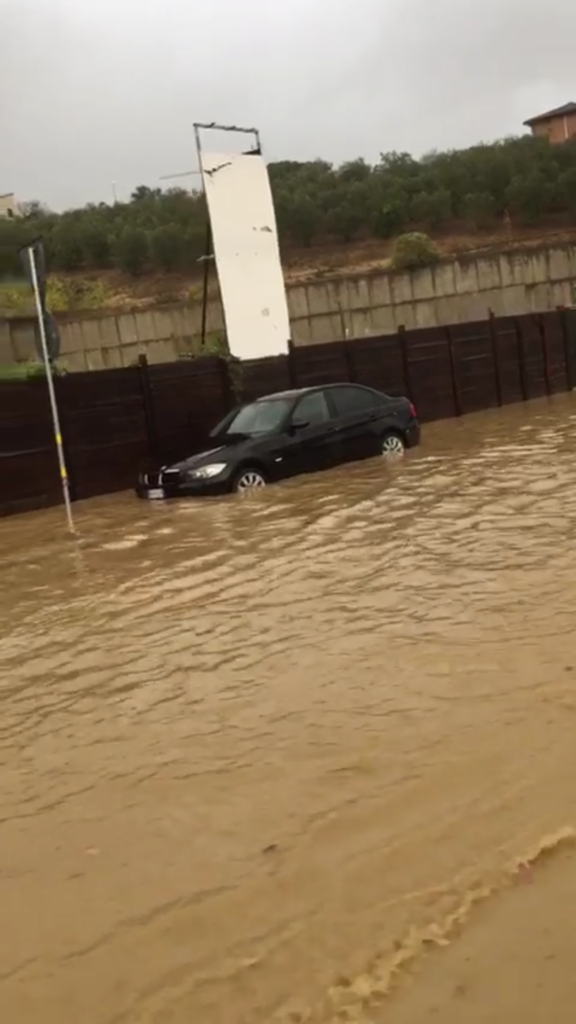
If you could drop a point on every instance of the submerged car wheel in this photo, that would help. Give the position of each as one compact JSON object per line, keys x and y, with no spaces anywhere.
{"x":393,"y":446}
{"x":248,"y":480}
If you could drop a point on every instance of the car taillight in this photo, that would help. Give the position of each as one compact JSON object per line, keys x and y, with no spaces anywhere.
{"x":413,"y":412}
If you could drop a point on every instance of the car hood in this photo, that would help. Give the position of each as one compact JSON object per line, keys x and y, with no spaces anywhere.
{"x":222,"y":453}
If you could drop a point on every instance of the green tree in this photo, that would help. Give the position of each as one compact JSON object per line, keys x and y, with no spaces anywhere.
{"x":529,"y":196}
{"x":12,"y":236}
{"x":194,"y":244}
{"x":354,"y":171}
{"x":478,"y":209}
{"x":314,"y":201}
{"x":96,"y":245}
{"x":131,"y":250}
{"x":567,"y":192}
{"x":347,"y":211}
{"x":344,"y":221}
{"x":389,"y":214}
{"x":34,"y":209}
{"x":66,"y":245}
{"x":433,"y":209}
{"x":143,"y":192}
{"x":167,"y":247}
{"x":304,"y":219}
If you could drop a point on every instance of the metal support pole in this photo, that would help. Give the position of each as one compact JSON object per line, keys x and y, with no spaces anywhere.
{"x":51,"y":391}
{"x":208,"y":243}
{"x":205,"y":280}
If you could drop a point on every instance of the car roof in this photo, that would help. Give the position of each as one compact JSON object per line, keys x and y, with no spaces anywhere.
{"x":294,"y":393}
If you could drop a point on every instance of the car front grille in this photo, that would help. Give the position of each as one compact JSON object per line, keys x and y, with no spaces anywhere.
{"x":162,"y":478}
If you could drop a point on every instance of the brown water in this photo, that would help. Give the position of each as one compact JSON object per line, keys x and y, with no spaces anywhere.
{"x":258,"y":755}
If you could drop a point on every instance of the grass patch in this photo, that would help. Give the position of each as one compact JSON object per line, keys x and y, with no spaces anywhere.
{"x":22,"y":371}
{"x":63,"y":294}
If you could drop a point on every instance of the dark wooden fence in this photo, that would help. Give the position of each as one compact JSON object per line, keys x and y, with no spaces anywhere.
{"x":116,"y":422}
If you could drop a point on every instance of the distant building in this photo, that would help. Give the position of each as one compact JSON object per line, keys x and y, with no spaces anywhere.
{"x":8,"y":205}
{"x":557,"y":125}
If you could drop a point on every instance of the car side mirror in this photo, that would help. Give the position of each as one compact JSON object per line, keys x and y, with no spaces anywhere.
{"x":297,"y":425}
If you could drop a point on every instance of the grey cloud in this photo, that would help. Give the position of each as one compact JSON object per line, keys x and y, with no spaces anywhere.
{"x":96,"y":92}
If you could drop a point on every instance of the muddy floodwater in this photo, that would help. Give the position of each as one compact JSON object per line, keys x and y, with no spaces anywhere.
{"x":306,"y":757}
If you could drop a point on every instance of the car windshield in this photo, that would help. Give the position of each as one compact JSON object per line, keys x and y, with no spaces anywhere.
{"x":260,"y":417}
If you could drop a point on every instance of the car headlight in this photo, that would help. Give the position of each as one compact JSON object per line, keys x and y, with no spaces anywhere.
{"x":205,"y":472}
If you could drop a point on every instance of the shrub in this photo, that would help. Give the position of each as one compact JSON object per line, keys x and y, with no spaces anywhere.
{"x":413,"y":251}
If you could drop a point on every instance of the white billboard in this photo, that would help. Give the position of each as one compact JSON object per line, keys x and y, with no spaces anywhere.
{"x":245,"y":240}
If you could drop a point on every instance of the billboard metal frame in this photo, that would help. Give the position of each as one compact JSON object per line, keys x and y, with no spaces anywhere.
{"x":202,"y":126}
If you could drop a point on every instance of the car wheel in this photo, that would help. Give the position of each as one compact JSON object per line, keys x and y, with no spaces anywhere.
{"x":393,"y":446}
{"x":249,"y":479}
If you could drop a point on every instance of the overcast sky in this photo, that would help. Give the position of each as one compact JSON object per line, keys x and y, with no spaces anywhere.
{"x":95,"y":91}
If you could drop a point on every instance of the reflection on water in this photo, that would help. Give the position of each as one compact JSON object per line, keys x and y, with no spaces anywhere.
{"x":252,"y":749}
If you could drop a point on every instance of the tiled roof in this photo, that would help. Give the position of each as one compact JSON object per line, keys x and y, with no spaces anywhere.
{"x":567,"y":108}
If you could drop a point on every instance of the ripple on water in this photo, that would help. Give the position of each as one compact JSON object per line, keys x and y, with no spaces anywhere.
{"x":248,"y":747}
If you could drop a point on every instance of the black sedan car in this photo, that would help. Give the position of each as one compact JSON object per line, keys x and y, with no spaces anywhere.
{"x":289,"y":433}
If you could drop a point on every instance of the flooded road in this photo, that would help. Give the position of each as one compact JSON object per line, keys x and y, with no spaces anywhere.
{"x":257,"y":757}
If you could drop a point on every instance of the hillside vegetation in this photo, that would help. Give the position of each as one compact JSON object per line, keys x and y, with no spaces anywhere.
{"x":523,"y":183}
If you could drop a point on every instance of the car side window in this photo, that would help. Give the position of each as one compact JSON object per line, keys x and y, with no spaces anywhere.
{"x":312,"y":409}
{"x":349,"y":401}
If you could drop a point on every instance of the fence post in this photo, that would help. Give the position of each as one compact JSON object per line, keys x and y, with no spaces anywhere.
{"x":350,"y":364}
{"x":453,"y":375}
{"x":521,"y":359}
{"x":292,"y":364}
{"x":570,"y":376}
{"x":543,"y":339}
{"x":229,"y":395}
{"x":402,"y":342}
{"x":149,"y":410}
{"x":495,"y":354}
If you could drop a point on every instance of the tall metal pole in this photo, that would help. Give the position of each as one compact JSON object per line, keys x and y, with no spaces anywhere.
{"x":51,"y":391}
{"x":205,"y":281}
{"x":207,"y":244}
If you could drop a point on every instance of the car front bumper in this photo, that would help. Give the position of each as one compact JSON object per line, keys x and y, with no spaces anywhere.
{"x":164,"y":485}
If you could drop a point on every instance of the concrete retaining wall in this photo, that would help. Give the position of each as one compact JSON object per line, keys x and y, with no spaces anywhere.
{"x":356,"y":306}
{"x":452,"y":292}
